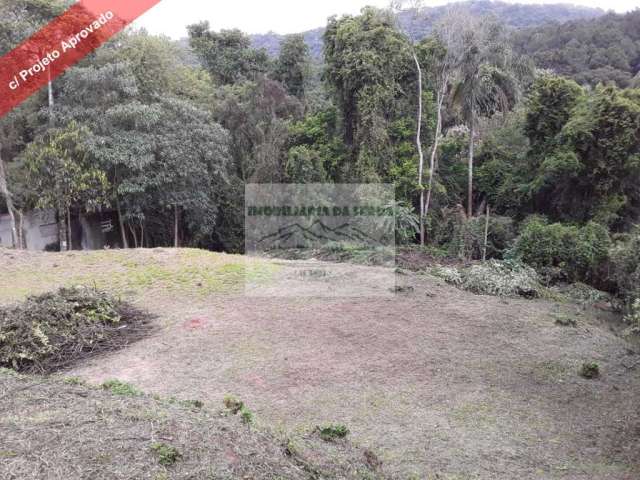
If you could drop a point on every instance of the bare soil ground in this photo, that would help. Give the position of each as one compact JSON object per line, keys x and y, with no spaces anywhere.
{"x":438,"y":382}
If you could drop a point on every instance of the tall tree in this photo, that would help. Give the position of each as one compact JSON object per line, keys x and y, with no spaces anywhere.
{"x":20,"y":19}
{"x":63,"y":175}
{"x":367,"y":61}
{"x":227,"y":55}
{"x":292,"y":68}
{"x":487,"y":81}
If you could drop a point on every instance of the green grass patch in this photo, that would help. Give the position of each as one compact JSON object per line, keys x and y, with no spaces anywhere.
{"x":122,"y":389}
{"x":330,"y":433}
{"x":590,"y":370}
{"x":167,"y":454}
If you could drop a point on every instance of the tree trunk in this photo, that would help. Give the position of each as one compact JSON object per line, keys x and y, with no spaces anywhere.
{"x":132,"y":228}
{"x":434,"y":154}
{"x":470,"y":186}
{"x":22,"y":244}
{"x":62,"y":228}
{"x":50,"y":97}
{"x":69,"y":232}
{"x":123,"y":233}
{"x":486,"y":236}
{"x":420,"y":151}
{"x":176,"y":226}
{"x":4,"y":190}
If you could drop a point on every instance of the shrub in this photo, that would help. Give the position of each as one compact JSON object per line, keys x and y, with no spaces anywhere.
{"x":50,"y":331}
{"x":562,"y":252}
{"x":232,"y":404}
{"x":236,"y":406}
{"x":464,"y":238}
{"x":634,"y":315}
{"x":590,"y":370}
{"x":246,"y":415}
{"x":330,"y":433}
{"x":625,"y":274}
{"x":167,"y":454}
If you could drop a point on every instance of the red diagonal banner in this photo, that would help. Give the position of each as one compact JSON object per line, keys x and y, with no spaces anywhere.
{"x":61,"y":44}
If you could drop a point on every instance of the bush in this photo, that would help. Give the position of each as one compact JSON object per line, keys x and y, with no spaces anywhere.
{"x":330,"y":433}
{"x":562,"y":252}
{"x":167,"y":454}
{"x":590,"y":370}
{"x":50,"y":331}
{"x":625,"y":274}
{"x":465,"y":238}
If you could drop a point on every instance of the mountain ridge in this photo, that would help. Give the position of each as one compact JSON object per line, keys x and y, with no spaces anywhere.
{"x":513,"y":14}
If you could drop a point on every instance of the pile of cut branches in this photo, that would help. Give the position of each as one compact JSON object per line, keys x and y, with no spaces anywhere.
{"x":49,"y":332}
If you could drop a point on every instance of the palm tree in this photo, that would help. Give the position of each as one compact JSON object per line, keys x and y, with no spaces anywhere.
{"x":487,"y":81}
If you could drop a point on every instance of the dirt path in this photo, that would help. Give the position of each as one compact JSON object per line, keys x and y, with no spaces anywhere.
{"x":437,"y":381}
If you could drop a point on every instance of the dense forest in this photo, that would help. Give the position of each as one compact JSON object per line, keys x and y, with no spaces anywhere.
{"x":540,"y":134}
{"x":420,"y":26}
{"x":601,"y":50}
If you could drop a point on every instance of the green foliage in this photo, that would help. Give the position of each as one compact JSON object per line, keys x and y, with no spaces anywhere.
{"x":305,"y":165}
{"x":550,"y":103}
{"x":233,"y":404}
{"x":61,"y":171}
{"x":625,"y":272}
{"x":247,"y":416}
{"x":292,"y":67}
{"x":603,"y":50}
{"x":52,"y":330}
{"x":236,"y":406}
{"x":589,"y":170}
{"x":167,"y":455}
{"x":227,"y":54}
{"x":366,"y":62}
{"x":330,"y":433}
{"x":633,"y":317}
{"x":562,"y":252}
{"x":74,"y":381}
{"x":466,"y":237}
{"x":315,"y":151}
{"x":123,"y":389}
{"x":590,"y":370}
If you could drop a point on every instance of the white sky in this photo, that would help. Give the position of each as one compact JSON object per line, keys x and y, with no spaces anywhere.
{"x":170,"y":17}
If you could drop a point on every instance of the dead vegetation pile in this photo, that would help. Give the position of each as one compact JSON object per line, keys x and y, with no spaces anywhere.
{"x":48,"y":332}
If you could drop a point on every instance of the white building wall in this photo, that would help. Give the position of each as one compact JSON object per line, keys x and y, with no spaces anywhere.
{"x":40,"y":229}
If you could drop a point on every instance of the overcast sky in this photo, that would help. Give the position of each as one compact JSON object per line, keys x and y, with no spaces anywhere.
{"x":170,"y":17}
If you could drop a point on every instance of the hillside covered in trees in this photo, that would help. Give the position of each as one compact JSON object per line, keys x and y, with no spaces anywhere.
{"x":599,"y":50}
{"x":420,"y":26}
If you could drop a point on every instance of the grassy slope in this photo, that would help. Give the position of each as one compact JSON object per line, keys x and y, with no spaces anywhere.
{"x":129,"y":273}
{"x":53,"y":429}
{"x":474,"y":387}
{"x":84,"y":432}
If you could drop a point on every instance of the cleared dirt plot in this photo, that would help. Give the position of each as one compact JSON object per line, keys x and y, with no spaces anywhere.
{"x":432,"y":382}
